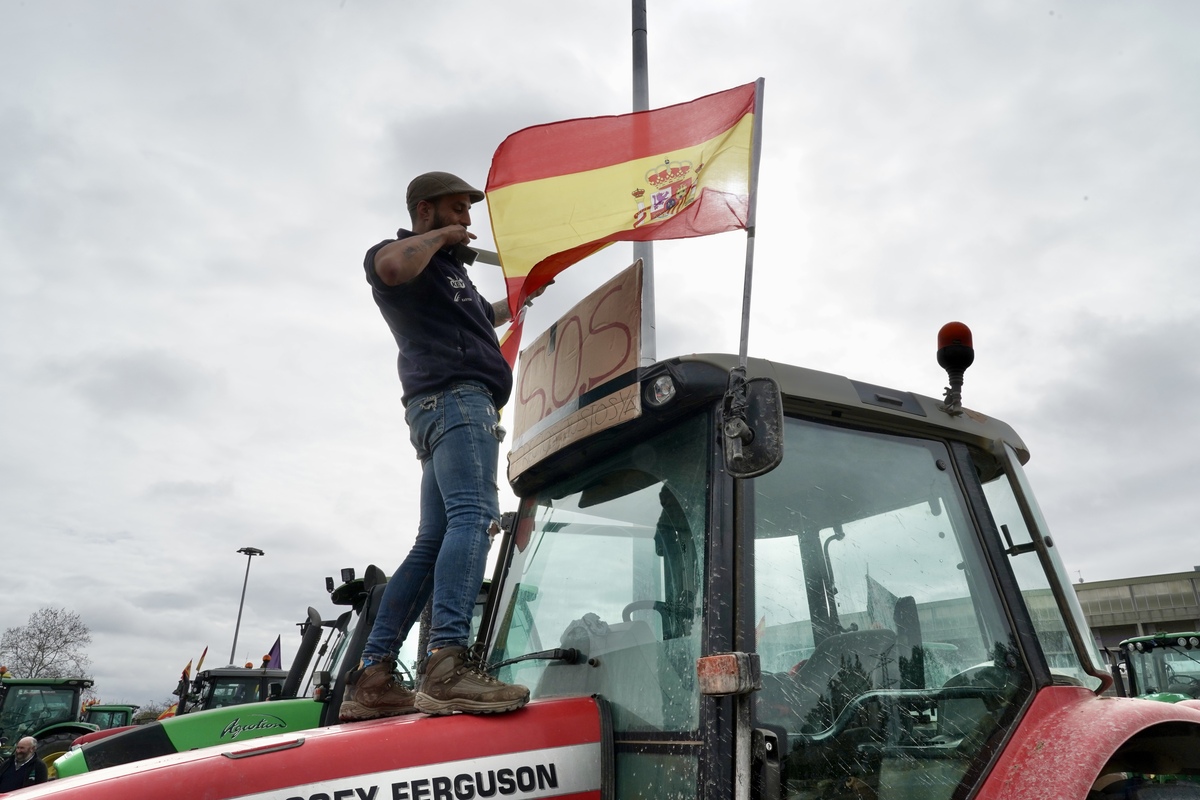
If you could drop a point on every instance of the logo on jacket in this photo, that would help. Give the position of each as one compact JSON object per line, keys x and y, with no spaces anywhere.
{"x":461,"y":294}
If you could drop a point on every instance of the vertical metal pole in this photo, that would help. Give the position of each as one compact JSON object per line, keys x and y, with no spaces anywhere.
{"x":644,"y":250}
{"x":641,"y":80}
{"x":751,"y":217}
{"x":743,"y":738}
{"x":250,"y":552}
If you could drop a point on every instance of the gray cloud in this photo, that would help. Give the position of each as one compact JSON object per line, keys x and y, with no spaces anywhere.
{"x":190,"y":490}
{"x":145,"y":383}
{"x":190,"y":361}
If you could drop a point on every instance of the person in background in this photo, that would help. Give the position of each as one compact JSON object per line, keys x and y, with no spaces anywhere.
{"x":23,"y":768}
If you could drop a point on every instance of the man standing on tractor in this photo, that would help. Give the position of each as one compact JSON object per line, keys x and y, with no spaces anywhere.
{"x":23,"y":768}
{"x":454,"y":379}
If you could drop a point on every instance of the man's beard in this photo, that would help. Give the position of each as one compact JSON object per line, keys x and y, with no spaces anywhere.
{"x":439,"y":221}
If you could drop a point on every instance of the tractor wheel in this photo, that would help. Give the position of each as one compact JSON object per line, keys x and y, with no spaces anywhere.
{"x":52,"y":747}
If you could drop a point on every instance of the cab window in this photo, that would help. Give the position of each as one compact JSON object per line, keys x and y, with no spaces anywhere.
{"x":888,"y":663}
{"x":610,"y":564}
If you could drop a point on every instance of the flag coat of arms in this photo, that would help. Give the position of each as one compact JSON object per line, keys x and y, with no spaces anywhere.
{"x":559,"y":192}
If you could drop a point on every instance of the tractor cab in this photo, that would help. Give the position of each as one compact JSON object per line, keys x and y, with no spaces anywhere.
{"x":47,"y":709}
{"x":106,"y":716}
{"x":1163,"y":666}
{"x":30,"y":706}
{"x":889,"y":602}
{"x":235,"y":686}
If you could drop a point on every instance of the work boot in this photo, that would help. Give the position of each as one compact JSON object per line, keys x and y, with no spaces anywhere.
{"x":457,"y":680}
{"x":375,"y":692}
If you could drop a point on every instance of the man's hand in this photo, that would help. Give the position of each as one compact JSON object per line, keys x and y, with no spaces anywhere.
{"x":500,"y":307}
{"x":454,"y":234}
{"x":539,"y":292}
{"x":405,"y":259}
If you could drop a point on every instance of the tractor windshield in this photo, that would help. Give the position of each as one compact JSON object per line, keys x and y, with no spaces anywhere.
{"x":1167,"y":666}
{"x":889,"y":666}
{"x":231,"y":691}
{"x":610,"y":562}
{"x":29,"y":709}
{"x":104,"y":718}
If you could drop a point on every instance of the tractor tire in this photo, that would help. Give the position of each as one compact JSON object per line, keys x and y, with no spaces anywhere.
{"x":50,"y":748}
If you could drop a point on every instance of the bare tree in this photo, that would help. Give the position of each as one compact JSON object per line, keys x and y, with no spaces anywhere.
{"x":50,"y":645}
{"x":151,"y":711}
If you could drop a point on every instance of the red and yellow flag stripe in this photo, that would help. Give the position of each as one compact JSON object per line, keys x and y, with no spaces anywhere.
{"x":560,"y":192}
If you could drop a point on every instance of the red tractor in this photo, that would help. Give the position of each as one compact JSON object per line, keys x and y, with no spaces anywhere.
{"x":734,"y":578}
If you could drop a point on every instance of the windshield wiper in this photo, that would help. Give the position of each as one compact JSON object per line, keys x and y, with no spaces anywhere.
{"x":1183,"y":652}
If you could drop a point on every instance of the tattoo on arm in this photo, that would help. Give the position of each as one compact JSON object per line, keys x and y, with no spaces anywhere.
{"x":413,"y":249}
{"x":500,"y":312}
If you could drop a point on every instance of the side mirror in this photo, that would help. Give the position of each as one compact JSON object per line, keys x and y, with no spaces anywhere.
{"x":752,"y":425}
{"x":1115,"y":665}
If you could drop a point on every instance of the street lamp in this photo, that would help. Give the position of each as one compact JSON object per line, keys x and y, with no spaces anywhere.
{"x":250,"y":553}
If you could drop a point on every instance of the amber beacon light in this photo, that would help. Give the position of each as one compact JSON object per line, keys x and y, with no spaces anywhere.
{"x":955,"y":353}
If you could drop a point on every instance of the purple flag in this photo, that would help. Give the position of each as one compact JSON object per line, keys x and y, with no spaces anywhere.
{"x":274,"y":661}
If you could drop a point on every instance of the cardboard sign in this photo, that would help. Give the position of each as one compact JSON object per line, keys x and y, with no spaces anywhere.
{"x":580,"y":376}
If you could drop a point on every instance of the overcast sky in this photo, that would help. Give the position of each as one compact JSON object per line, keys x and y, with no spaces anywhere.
{"x":191,"y":363}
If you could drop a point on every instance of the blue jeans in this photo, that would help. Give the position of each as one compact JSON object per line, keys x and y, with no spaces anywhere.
{"x":456,"y":436}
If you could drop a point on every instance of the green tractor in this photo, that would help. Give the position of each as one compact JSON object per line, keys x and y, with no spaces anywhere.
{"x":237,"y":704}
{"x":1161,"y":666}
{"x":232,"y":686}
{"x":47,"y":709}
{"x":309,"y":697}
{"x":109,"y":715}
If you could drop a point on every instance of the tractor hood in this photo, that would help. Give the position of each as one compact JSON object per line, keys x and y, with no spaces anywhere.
{"x":1166,"y":697}
{"x":552,"y":747}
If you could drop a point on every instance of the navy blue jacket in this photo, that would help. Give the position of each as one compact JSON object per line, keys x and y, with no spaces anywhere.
{"x":13,"y":777}
{"x":442,"y":326}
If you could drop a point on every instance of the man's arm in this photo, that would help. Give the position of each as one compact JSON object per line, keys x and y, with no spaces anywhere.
{"x":402,"y":260}
{"x":500,"y":307}
{"x":500,"y":310}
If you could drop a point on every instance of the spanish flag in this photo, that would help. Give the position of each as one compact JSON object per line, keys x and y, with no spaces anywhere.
{"x":559,"y":192}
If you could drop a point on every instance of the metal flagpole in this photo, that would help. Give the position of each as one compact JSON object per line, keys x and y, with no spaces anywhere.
{"x":643,"y":250}
{"x":751,"y":212}
{"x":735,"y":427}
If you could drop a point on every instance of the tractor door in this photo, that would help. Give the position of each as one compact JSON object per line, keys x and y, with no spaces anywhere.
{"x":603,"y":594}
{"x":889,"y":665}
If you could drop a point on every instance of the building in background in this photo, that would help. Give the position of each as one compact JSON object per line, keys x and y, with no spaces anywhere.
{"x":1119,"y":609}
